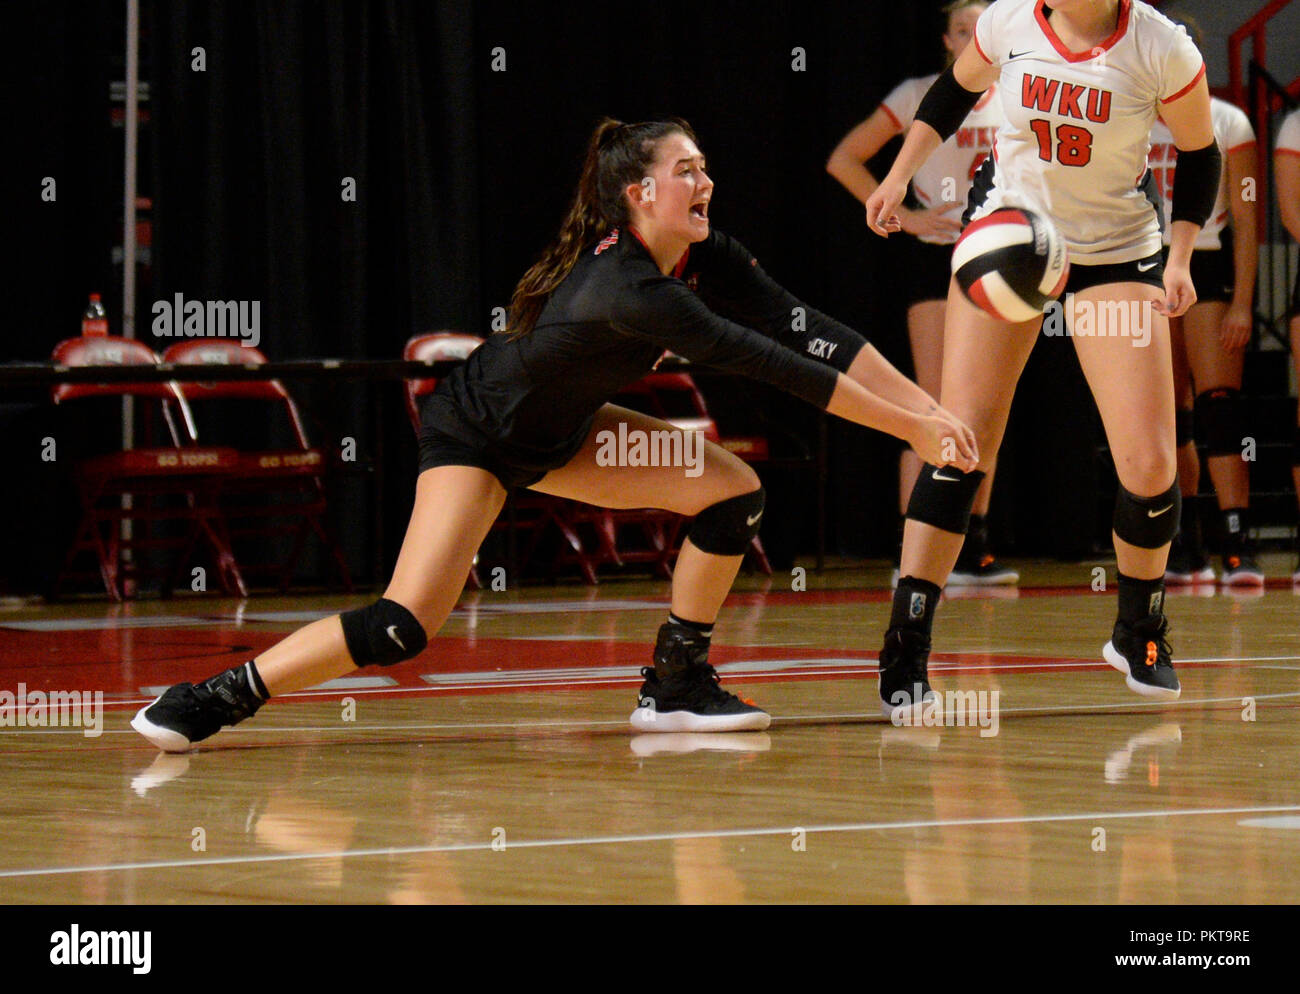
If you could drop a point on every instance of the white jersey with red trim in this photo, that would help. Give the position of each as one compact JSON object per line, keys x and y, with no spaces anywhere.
{"x":1232,"y":132}
{"x":945,"y":177}
{"x":1288,"y":136}
{"x":1073,"y":144}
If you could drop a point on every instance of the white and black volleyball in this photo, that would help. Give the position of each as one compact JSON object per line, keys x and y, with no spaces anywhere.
{"x":1011,"y":264}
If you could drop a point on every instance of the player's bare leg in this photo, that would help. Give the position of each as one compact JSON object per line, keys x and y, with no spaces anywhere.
{"x":723,"y":496}
{"x":1128,"y":366}
{"x":454,"y":509}
{"x":1217,"y":373}
{"x":982,"y":361}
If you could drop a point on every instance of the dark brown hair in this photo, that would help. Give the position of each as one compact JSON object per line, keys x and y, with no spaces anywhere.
{"x":618,"y":155}
{"x":1186,"y":20}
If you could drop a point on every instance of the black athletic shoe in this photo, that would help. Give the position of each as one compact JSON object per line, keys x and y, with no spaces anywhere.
{"x":976,"y":566}
{"x":1142,"y":652}
{"x":904,"y":679}
{"x":683,"y":693}
{"x":1241,"y":570}
{"x":1187,"y":565}
{"x":188,"y":713}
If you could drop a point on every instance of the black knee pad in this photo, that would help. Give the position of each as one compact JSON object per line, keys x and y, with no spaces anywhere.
{"x":1148,"y":522}
{"x":943,"y":497}
{"x":1184,"y":431}
{"x":727,"y":527}
{"x":1222,"y":425}
{"x":382,"y":633}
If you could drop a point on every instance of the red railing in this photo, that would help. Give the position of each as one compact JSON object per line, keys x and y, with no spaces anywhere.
{"x":1255,"y":30}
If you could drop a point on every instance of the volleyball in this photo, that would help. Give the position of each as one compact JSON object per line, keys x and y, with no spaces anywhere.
{"x":1011,"y":264}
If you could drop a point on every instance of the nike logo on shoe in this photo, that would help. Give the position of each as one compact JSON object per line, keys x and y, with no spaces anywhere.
{"x":392,"y":634}
{"x":1156,"y":514}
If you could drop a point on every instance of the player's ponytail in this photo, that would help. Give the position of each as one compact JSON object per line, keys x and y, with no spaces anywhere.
{"x":618,"y":155}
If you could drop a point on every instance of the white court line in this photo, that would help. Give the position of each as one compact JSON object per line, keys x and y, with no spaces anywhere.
{"x":605,"y":840}
{"x":871,"y":717}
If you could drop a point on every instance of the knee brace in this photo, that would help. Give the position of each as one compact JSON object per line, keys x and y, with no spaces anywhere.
{"x":1184,"y":432}
{"x":727,"y":527}
{"x":943,"y":497}
{"x":1222,"y":425}
{"x":1148,"y":522}
{"x":382,"y":633}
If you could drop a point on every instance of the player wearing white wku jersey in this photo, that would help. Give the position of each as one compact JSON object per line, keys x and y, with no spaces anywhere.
{"x":1286,"y":172}
{"x":1209,"y":344}
{"x":940,"y":188}
{"x":1080,"y":83}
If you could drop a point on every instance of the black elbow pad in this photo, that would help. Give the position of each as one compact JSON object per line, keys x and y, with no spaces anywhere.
{"x":1196,"y":184}
{"x":946,"y":104}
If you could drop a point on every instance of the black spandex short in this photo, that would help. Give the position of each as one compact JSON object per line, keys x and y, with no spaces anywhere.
{"x":437,"y":449}
{"x":1149,"y":270}
{"x":929,"y":270}
{"x":1295,"y":297}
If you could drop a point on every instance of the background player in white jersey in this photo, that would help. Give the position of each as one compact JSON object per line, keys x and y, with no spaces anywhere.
{"x":940,"y":187}
{"x":1209,"y":344}
{"x":1080,"y":84}
{"x":1286,"y":172}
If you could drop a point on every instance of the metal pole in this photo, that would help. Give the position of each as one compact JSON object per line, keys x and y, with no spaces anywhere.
{"x":128,"y":196}
{"x":128,"y":232}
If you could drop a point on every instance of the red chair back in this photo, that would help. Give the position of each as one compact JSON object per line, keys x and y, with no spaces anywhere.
{"x":437,"y":346}
{"x":675,"y":398}
{"x":110,"y":350}
{"x":222,"y":352}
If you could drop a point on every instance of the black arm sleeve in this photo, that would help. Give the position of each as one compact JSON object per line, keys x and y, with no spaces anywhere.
{"x":662,"y":310}
{"x":946,"y":104}
{"x":735,"y":285}
{"x":1197,"y":175}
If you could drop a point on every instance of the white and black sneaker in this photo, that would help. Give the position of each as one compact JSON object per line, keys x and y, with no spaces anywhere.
{"x":1142,"y":653}
{"x":683,"y":693}
{"x":189,"y":713}
{"x":904,"y":678}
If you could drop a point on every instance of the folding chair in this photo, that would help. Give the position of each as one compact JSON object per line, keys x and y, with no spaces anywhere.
{"x":273,"y":492}
{"x":146,"y":486}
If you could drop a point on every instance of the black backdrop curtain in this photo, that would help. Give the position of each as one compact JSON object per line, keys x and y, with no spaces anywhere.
{"x":462,"y":125}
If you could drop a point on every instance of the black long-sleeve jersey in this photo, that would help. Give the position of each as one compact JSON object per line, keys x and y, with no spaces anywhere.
{"x":530,"y":401}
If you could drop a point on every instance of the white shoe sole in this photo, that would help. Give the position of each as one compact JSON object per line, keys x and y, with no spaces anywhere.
{"x":684,"y":742}
{"x":164,"y":738}
{"x":650,"y":720}
{"x":1205,"y":575}
{"x":1243,"y":578}
{"x":1116,"y":660}
{"x":1007,"y":578}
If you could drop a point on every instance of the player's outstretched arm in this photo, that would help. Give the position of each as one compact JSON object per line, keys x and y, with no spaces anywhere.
{"x":945,"y":106}
{"x":938,"y":438}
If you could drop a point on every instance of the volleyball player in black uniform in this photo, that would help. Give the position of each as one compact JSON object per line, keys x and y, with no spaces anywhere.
{"x":528,"y":408}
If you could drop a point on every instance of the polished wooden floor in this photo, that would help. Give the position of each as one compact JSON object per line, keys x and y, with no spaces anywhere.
{"x":499,"y":765}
